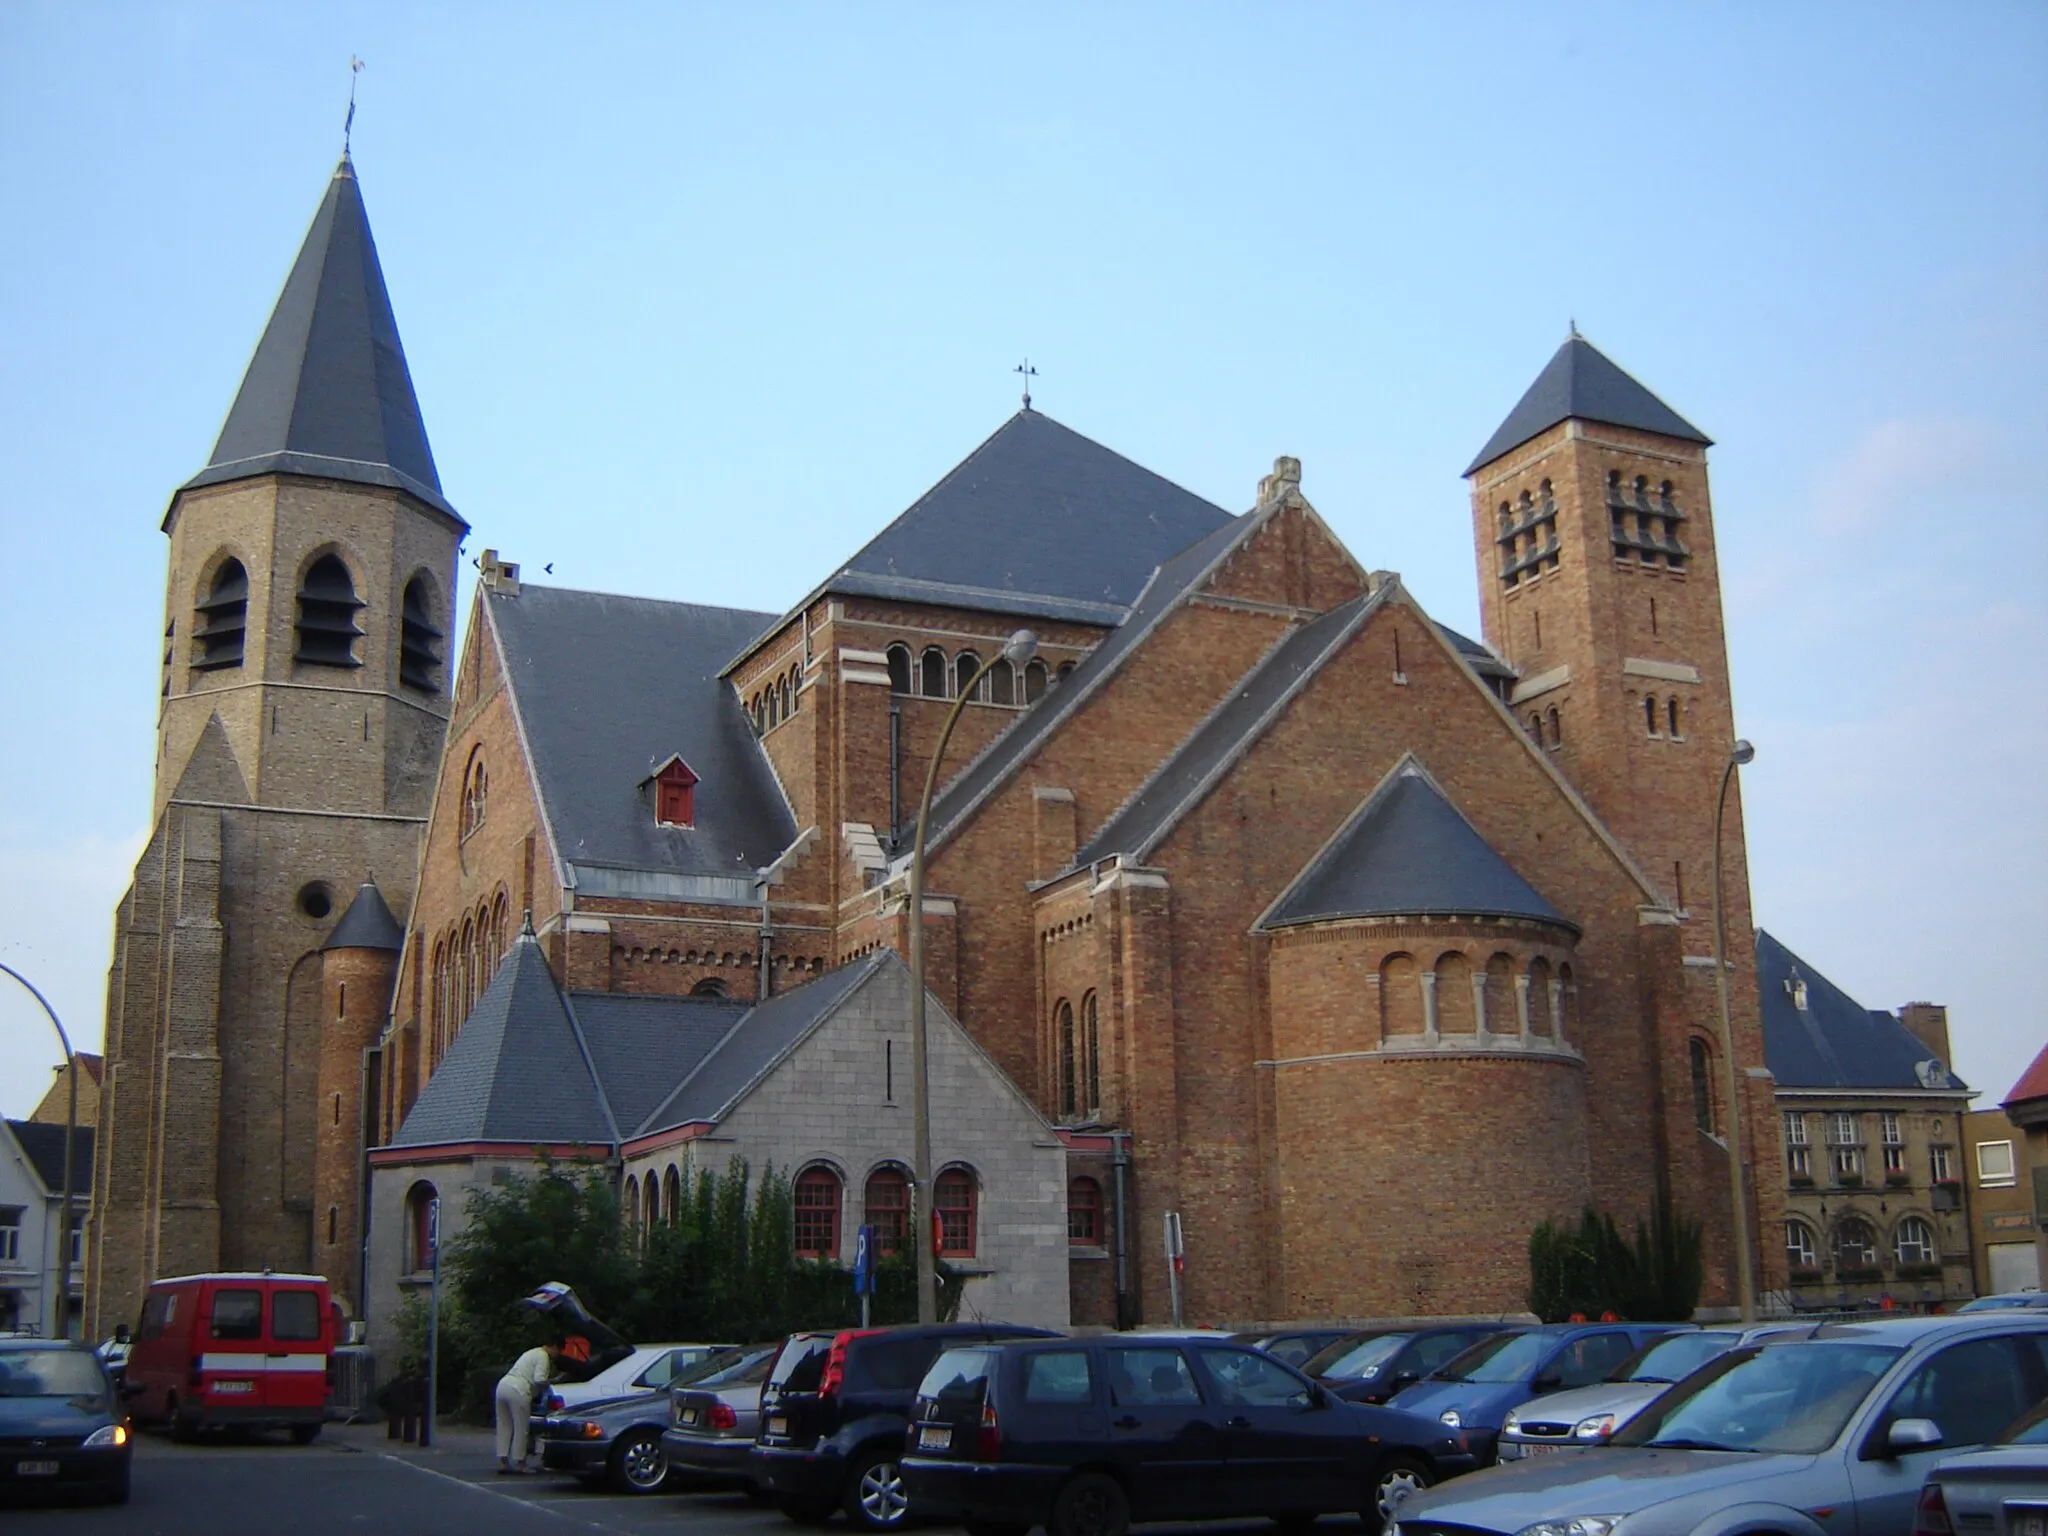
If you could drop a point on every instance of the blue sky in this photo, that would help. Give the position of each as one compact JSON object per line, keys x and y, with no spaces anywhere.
{"x":696,"y":298}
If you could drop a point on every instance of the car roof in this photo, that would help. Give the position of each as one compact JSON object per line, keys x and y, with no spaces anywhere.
{"x":1910,"y":1330}
{"x":22,"y":1341}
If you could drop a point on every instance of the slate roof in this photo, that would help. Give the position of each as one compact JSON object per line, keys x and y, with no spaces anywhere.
{"x":1038,"y":521}
{"x":607,"y":688}
{"x":328,"y":392}
{"x":43,"y":1145}
{"x":1408,"y":852}
{"x":1580,"y":382}
{"x":2033,"y":1083}
{"x":1833,"y":1042}
{"x":367,"y":924}
{"x":644,"y":1046}
{"x":1187,"y":775}
{"x":1478,"y":657}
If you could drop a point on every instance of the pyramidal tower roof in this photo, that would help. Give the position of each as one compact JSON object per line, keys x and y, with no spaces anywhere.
{"x":367,"y":924}
{"x":1581,"y":382}
{"x":327,"y":392}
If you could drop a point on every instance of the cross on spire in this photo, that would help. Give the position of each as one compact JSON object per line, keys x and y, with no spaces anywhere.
{"x":1029,"y":374}
{"x":355,"y":67}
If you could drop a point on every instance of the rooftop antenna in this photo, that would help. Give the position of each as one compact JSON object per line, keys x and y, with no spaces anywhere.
{"x":1573,"y":322}
{"x":1029,"y":373}
{"x":355,"y":67}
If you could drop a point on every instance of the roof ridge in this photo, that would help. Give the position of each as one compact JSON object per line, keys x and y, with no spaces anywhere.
{"x":604,"y":1098}
{"x":526,"y":586}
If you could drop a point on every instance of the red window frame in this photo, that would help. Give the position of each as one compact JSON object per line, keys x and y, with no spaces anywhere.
{"x":888,"y":1209}
{"x":953,"y":1199}
{"x":675,"y":796}
{"x":1084,"y":1212}
{"x":816,"y":1199}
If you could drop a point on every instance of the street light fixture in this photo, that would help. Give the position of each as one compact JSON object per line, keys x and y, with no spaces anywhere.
{"x":1745,"y":1281}
{"x":1017,"y":650}
{"x":62,"y":1309}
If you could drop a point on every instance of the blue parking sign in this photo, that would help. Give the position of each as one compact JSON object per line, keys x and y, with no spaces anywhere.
{"x":864,"y":1262}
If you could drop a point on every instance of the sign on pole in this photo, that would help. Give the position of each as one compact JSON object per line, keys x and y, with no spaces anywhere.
{"x":433,"y":1257}
{"x":864,"y":1270}
{"x":1176,"y":1261}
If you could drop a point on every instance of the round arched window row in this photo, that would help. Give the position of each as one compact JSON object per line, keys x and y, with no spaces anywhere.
{"x":815,"y":1196}
{"x":327,"y":629}
{"x":953,"y":1198}
{"x":223,"y":619}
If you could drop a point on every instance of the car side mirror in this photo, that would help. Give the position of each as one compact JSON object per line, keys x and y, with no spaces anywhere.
{"x":1909,"y":1435}
{"x":1547,"y":1383}
{"x":1403,"y":1379}
{"x":131,"y":1389}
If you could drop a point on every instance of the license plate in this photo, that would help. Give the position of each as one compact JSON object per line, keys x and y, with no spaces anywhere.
{"x":2029,"y":1522}
{"x":690,"y":1415}
{"x":935,"y":1437}
{"x":35,"y":1468}
{"x":778,"y":1426}
{"x":234,"y":1386}
{"x":1540,"y":1450}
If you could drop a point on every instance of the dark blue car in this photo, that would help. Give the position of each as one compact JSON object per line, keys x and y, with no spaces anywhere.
{"x":1088,"y":1436}
{"x":62,"y":1425}
{"x":1474,"y":1392}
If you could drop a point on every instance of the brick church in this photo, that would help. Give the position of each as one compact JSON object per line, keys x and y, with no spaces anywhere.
{"x":1254,"y":894}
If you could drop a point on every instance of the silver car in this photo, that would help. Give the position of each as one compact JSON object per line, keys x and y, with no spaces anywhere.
{"x":1850,"y":1421}
{"x":1586,"y":1416}
{"x":2001,"y":1490}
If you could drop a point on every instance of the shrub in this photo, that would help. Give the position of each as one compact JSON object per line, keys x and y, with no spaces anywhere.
{"x":1591,"y":1270}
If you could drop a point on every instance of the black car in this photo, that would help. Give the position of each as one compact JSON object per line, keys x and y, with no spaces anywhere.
{"x":834,"y":1411}
{"x":1086,"y":1436}
{"x":616,"y":1440}
{"x":62,"y":1423}
{"x":1292,"y":1345}
{"x":1372,"y":1366}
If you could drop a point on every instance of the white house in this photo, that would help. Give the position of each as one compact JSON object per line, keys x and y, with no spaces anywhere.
{"x":31,"y":1213}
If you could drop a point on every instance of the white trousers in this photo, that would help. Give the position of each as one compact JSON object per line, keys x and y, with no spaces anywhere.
{"x":515,"y":1405}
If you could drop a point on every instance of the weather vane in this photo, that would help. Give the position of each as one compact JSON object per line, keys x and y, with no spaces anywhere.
{"x":1029,"y":373}
{"x":355,"y":67}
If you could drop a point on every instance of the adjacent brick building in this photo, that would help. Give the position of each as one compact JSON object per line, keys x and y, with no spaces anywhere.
{"x":2005,"y":1163}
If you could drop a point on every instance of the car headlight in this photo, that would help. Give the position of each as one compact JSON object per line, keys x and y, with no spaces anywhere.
{"x":1512,"y":1422}
{"x":1450,"y":1416}
{"x":1578,"y":1525}
{"x":107,"y":1434}
{"x":590,"y":1429}
{"x":1598,"y":1427}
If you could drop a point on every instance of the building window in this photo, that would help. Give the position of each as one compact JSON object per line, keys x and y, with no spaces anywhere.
{"x":1799,"y":1162}
{"x":1065,"y":1044}
{"x":1702,"y":1085}
{"x":1895,"y":1162}
{"x":932,"y":674}
{"x":1650,"y":713}
{"x":711,"y":986}
{"x":953,"y":1199}
{"x":1843,"y":1130}
{"x":888,"y":1209}
{"x":1526,"y":536}
{"x":476,"y":792}
{"x":1995,"y":1165}
{"x":327,"y":628}
{"x":223,"y":618}
{"x":1091,"y":1052}
{"x":1671,"y":718}
{"x":1888,"y":1129}
{"x":675,"y":794}
{"x":1556,"y":733}
{"x":1914,"y":1242}
{"x":419,"y":640}
{"x":1084,"y":1212}
{"x":632,"y":1203}
{"x":10,"y":1233}
{"x":1848,"y":1165}
{"x":965,"y":665}
{"x":1002,"y":681}
{"x":1941,"y":1165}
{"x":672,"y":1195}
{"x":1795,"y":1129}
{"x":419,"y":1227}
{"x":1799,"y":1246}
{"x":1855,"y":1246}
{"x":1034,"y":681}
{"x":899,"y":669}
{"x":817,"y":1214}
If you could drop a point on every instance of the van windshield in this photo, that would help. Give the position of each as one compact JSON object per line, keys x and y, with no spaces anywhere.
{"x":51,"y":1373}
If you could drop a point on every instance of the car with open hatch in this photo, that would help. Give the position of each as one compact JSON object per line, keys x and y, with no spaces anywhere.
{"x":1088,"y":1436}
{"x":1831,"y":1435}
{"x":62,"y":1424}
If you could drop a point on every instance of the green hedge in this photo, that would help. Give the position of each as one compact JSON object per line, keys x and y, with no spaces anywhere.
{"x":1591,"y":1271}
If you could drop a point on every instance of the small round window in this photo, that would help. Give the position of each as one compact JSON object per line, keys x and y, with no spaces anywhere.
{"x":315,"y":900}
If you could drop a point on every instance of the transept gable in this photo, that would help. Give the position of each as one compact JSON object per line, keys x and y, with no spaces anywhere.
{"x":1291,"y":559}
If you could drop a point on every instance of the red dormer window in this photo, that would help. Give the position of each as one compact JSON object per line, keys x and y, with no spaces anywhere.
{"x":675,"y":794}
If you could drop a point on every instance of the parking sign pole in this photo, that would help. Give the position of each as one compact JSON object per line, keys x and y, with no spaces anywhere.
{"x":433,"y":1319}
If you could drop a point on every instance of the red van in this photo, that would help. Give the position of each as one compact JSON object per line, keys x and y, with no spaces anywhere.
{"x":250,"y":1350}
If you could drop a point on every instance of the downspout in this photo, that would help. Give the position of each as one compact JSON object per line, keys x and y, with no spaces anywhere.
{"x":1120,"y":1160}
{"x":895,"y":768}
{"x":365,"y":1109}
{"x":763,"y":985}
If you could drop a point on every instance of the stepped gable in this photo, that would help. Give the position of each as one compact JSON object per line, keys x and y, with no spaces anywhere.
{"x":367,"y":924}
{"x":607,"y":689}
{"x":1580,"y":383}
{"x":1038,"y":521}
{"x":1409,"y":852}
{"x":1834,"y":1041}
{"x":328,"y":392}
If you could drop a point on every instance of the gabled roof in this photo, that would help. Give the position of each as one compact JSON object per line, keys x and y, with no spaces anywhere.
{"x":1580,"y":382}
{"x":1187,"y":775}
{"x":1834,"y":1041}
{"x":2033,"y":1083}
{"x":1408,"y":852}
{"x":644,"y":1046}
{"x":43,"y":1146}
{"x":328,"y":392}
{"x":1038,"y":521}
{"x":367,"y":924}
{"x":607,"y":689}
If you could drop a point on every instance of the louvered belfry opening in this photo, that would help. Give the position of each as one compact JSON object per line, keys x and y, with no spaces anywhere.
{"x":419,"y":653}
{"x":327,"y":627}
{"x":223,"y":619}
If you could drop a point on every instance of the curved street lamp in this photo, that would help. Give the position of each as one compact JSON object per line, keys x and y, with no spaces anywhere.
{"x":1745,"y":1281}
{"x":63,"y":1297}
{"x":1017,"y":650}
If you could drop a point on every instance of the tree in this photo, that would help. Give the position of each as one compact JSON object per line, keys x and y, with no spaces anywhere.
{"x":1591,"y":1271}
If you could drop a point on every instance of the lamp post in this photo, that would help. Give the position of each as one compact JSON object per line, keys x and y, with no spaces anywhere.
{"x":1745,"y":1282}
{"x":63,"y":1298}
{"x":1017,"y":650}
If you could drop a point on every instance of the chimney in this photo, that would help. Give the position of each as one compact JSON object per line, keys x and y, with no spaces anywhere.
{"x":1286,"y":477}
{"x":1929,"y":1024}
{"x":499,"y":575}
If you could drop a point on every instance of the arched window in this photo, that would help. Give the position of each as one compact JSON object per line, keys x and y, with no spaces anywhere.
{"x":1400,"y":996}
{"x":899,"y":669}
{"x":953,"y":1199}
{"x":711,"y":986}
{"x":1800,"y":1249}
{"x":932,"y":669}
{"x":1671,"y":715}
{"x":1556,"y":730}
{"x":1091,"y":1056}
{"x":1566,"y":1015}
{"x":1650,"y":713}
{"x":785,"y":699}
{"x":632,"y":1203}
{"x":223,"y":618}
{"x":1034,"y":681}
{"x":1542,"y":1019}
{"x":1536,"y":726}
{"x":476,"y":792}
{"x":1702,"y":1084}
{"x":816,"y":1197}
{"x":419,"y":639}
{"x":1065,"y":670}
{"x":671,"y":1195}
{"x":1855,"y":1246}
{"x":965,"y":665}
{"x":888,"y":1209}
{"x":327,"y":628}
{"x":437,"y":1001}
{"x":1914,"y":1242}
{"x":653,"y":1193}
{"x":1002,"y":681}
{"x":1065,"y":1044}
{"x":1454,"y":1012}
{"x":419,"y":1227}
{"x":465,"y":967}
{"x":1084,"y":1212}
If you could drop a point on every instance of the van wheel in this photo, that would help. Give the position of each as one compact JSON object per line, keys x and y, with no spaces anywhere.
{"x":1092,"y":1504}
{"x":184,"y":1426}
{"x":1393,"y":1481}
{"x":638,"y":1463}
{"x":875,"y":1497}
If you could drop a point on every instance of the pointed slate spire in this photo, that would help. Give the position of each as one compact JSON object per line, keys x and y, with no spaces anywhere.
{"x":327,"y":392}
{"x":1581,"y":382}
{"x":367,"y":924}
